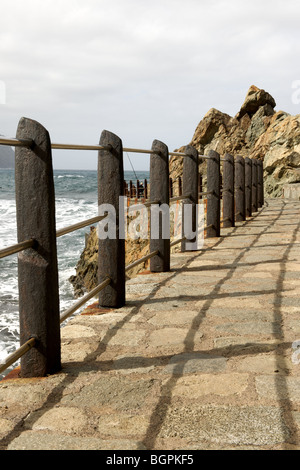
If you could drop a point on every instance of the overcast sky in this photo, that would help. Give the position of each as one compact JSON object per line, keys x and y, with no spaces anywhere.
{"x":142,"y":69}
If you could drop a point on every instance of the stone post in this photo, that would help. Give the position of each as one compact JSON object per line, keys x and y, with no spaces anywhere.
{"x":240,"y":189}
{"x":37,"y":266}
{"x":228,"y":191}
{"x":213,"y":199}
{"x":248,"y":186}
{"x":159,"y":218}
{"x":190,"y":187}
{"x":254,"y":185}
{"x":111,"y":254}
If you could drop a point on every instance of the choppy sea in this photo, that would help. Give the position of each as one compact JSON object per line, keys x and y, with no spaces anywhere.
{"x":75,"y":200}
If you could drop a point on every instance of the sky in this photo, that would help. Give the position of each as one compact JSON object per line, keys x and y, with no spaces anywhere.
{"x":143,"y":70}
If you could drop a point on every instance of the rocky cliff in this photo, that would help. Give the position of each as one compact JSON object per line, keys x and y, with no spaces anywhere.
{"x":257,"y":131}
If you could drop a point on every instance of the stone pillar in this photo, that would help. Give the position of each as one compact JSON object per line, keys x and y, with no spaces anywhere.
{"x":240,"y":189}
{"x":37,"y":266}
{"x":213,"y":199}
{"x":254,"y":185}
{"x":190,"y":186}
{"x":228,"y":191}
{"x":111,"y":254}
{"x":159,"y":191}
{"x":248,"y":186}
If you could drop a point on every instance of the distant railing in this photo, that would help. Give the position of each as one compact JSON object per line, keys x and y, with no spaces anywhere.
{"x":239,"y":190}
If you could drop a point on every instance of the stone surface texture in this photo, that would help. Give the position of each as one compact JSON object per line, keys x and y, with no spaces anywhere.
{"x":205,"y":356}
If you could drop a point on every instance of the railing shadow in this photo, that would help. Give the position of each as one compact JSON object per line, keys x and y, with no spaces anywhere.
{"x":159,"y":415}
{"x":92,"y":362}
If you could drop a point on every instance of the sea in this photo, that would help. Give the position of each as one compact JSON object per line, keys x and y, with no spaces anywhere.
{"x":75,"y":200}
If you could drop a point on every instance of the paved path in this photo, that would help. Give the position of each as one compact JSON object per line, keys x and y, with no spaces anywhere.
{"x":203,"y":357}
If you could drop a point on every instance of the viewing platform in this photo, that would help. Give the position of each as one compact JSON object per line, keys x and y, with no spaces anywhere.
{"x":205,"y":356}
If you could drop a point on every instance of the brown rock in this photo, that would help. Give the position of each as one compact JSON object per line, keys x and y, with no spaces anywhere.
{"x":255,"y":98}
{"x":257,"y":131}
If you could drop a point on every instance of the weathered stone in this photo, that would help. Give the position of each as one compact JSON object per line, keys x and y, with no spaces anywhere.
{"x":118,"y":392}
{"x":196,"y":386}
{"x":257,"y":131}
{"x":279,"y":387}
{"x":62,"y":419}
{"x":46,"y":441}
{"x":189,"y":363}
{"x":248,"y":425}
{"x":255,"y":99}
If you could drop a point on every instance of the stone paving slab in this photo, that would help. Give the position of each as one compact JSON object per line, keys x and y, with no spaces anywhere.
{"x":206,"y":356}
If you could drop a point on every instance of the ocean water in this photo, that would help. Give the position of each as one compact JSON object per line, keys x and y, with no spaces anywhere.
{"x":75,"y":200}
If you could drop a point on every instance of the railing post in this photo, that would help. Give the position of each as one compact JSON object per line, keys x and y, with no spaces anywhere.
{"x":37,"y":266}
{"x":260,"y":184}
{"x":111,"y":253}
{"x":179,"y":186}
{"x":130,"y":189}
{"x":200,"y":185}
{"x":170,"y":187}
{"x":190,"y":187}
{"x":240,"y":189}
{"x":213,"y":200}
{"x":159,"y":191}
{"x":254,"y":185}
{"x":145,"y":189}
{"x":248,"y":186}
{"x":228,"y":191}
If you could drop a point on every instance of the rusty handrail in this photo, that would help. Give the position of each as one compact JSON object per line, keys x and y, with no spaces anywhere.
{"x":141,"y":260}
{"x":79,"y":225}
{"x":16,"y":355}
{"x":10,"y":250}
{"x":80,"y":147}
{"x":16,"y":142}
{"x":67,"y":313}
{"x":180,"y":198}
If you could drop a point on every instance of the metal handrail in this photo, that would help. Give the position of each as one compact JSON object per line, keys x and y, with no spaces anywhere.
{"x":142,"y":205}
{"x":79,"y":225}
{"x":179,"y":198}
{"x":132,"y":150}
{"x":57,"y":146}
{"x":80,"y":147}
{"x":16,"y":142}
{"x":10,"y":250}
{"x":141,"y":260}
{"x":15,"y":356}
{"x":175,"y":242}
{"x":67,"y":313}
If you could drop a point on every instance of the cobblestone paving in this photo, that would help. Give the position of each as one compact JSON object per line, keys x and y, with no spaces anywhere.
{"x":202,"y":357}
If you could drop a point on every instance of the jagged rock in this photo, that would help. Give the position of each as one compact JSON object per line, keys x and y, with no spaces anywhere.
{"x":255,"y":98}
{"x":257,"y":131}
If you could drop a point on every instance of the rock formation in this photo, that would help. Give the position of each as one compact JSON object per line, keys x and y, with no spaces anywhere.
{"x":257,"y":131}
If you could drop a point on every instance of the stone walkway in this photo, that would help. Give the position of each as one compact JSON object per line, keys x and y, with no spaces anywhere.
{"x":202,"y":357}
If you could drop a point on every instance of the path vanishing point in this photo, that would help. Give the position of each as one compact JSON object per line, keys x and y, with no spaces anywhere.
{"x":205,"y":356}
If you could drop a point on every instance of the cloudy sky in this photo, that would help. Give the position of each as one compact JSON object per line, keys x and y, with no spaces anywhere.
{"x":142,"y":69}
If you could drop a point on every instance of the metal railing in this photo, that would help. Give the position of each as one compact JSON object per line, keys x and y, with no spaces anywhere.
{"x":242,"y":194}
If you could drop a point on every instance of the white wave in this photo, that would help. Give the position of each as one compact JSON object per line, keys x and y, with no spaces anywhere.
{"x":69,"y":176}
